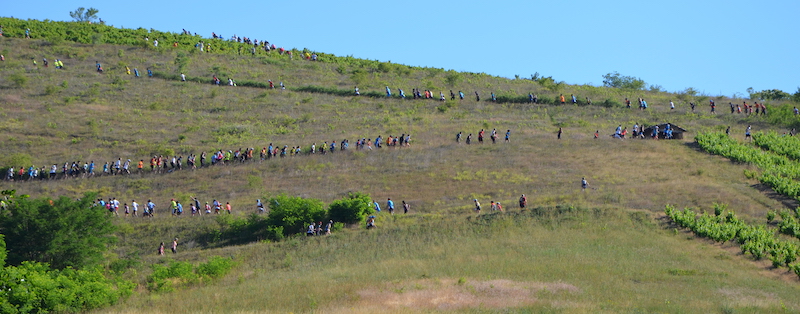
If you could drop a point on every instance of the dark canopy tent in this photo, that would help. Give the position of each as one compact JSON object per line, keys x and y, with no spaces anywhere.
{"x":677,"y":132}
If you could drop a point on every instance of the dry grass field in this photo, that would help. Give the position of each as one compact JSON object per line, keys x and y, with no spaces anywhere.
{"x":611,"y":254}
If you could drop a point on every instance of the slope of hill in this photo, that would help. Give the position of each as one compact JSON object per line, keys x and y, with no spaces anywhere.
{"x":439,"y":257}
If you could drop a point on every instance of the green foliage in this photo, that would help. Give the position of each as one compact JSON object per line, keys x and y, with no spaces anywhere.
{"x":34,"y":288}
{"x":352,"y":208}
{"x":768,"y":94}
{"x":3,"y":252}
{"x":293,"y":214}
{"x":756,"y":240}
{"x":216,"y":267}
{"x":62,"y":233}
{"x":84,"y":15}
{"x":177,"y":274}
{"x":167,"y":278}
{"x":453,"y":78}
{"x":235,"y":230}
{"x":778,"y":171}
{"x":616,"y":80}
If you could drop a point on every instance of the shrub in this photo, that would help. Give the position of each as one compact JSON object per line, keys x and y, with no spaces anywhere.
{"x":63,"y":232}
{"x":294,"y":213}
{"x":216,"y":267}
{"x":34,"y":288}
{"x":353,"y":208}
{"x":167,"y":278}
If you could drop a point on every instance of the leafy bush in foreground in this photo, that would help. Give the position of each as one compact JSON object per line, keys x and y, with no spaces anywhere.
{"x":34,"y":288}
{"x":62,"y":232}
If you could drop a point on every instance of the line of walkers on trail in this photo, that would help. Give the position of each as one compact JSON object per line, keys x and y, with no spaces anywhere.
{"x":481,"y":134}
{"x":175,"y":208}
{"x":166,"y":164}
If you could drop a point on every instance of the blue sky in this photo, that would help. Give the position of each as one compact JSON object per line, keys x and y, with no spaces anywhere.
{"x":716,"y":47}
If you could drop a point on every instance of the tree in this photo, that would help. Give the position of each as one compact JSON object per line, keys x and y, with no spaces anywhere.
{"x":62,"y":232}
{"x":84,"y":15}
{"x":352,"y":208}
{"x":796,"y":96}
{"x":768,"y":94}
{"x":294,"y":213}
{"x":626,"y":82}
{"x":3,"y":252}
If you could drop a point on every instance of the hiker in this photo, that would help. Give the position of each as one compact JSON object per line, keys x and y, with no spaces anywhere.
{"x":390,"y":206}
{"x":584,"y":183}
{"x":175,"y":246}
{"x":559,"y":133}
{"x":477,"y":97}
{"x":747,"y":133}
{"x":574,"y":99}
{"x":728,"y":131}
{"x":183,"y":77}
{"x":477,"y":206}
{"x":259,"y":206}
{"x":480,"y":136}
{"x":406,"y":207}
{"x":562,"y":99}
{"x":469,"y":138}
{"x":508,"y":136}
{"x":376,"y":206}
{"x":388,"y":92}
{"x":356,"y":91}
{"x":161,"y":249}
{"x":493,"y":206}
{"x":523,"y":201}
{"x":371,"y":222}
{"x":310,"y":231}
{"x":135,"y":207}
{"x":458,"y":137}
{"x":713,"y":106}
{"x":228,"y":207}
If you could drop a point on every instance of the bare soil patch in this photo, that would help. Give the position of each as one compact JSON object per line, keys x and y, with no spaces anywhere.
{"x":450,"y":294}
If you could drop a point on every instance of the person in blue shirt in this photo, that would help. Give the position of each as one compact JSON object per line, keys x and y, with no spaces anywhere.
{"x":574,"y":100}
{"x":460,"y":95}
{"x":390,"y":205}
{"x":388,"y":92}
{"x":376,"y":206}
{"x":402,"y":94}
{"x":149,"y":72}
{"x":136,"y":72}
{"x":493,"y":97}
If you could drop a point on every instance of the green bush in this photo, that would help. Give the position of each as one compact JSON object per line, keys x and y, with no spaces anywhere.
{"x":167,"y":278}
{"x":34,"y":288}
{"x":353,"y":208}
{"x":293,"y":214}
{"x":216,"y":267}
{"x":177,"y":274}
{"x":3,"y":253}
{"x":62,"y":232}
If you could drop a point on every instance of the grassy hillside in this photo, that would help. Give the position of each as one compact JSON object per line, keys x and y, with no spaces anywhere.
{"x":612,"y":254}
